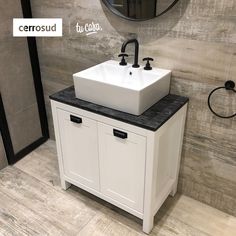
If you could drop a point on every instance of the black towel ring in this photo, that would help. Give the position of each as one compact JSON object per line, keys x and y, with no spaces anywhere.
{"x":229,"y":85}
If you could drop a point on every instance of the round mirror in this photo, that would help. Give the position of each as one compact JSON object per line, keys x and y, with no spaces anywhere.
{"x":139,"y":10}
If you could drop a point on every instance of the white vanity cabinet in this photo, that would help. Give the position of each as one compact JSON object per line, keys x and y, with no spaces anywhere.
{"x":129,"y":166}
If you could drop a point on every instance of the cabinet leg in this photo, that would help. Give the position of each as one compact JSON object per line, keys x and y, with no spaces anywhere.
{"x":174,"y":189}
{"x":148,"y":222}
{"x":65,"y":185}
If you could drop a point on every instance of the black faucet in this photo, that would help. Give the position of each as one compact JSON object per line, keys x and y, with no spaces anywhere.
{"x":135,"y":41}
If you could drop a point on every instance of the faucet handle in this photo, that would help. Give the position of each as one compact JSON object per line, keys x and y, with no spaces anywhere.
{"x":123,"y":62}
{"x":148,"y":66}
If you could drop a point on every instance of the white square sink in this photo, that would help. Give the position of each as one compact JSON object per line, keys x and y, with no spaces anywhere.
{"x":127,"y":89}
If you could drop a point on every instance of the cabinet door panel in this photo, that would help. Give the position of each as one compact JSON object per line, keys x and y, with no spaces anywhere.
{"x":122,"y":165}
{"x":79,"y":148}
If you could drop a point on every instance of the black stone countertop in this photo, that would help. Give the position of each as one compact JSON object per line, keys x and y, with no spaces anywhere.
{"x":151,"y":119}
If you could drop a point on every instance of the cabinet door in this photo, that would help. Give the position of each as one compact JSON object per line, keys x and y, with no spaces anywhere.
{"x":79,"y":146}
{"x":122,"y":165}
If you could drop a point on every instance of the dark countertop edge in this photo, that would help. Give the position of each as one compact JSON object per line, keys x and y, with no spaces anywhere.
{"x":148,"y":128}
{"x":119,"y":119}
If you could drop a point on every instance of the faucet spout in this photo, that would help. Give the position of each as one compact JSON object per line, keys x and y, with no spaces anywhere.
{"x":136,"y":52}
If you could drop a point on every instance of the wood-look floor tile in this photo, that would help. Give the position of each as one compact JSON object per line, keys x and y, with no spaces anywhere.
{"x":104,"y":225}
{"x":42,"y":164}
{"x":32,"y":203}
{"x":16,"y":219}
{"x":64,"y":211}
{"x":199,"y":216}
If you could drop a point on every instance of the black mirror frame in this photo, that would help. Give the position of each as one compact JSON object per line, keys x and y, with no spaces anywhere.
{"x":113,"y":10}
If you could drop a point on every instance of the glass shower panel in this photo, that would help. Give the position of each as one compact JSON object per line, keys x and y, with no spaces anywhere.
{"x":23,"y":121}
{"x":16,"y":82}
{"x":18,"y":93}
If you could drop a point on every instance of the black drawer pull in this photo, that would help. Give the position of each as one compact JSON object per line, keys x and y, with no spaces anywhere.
{"x":75,"y":119}
{"x":120,"y":134}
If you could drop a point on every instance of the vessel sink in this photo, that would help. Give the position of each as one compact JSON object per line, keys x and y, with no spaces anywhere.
{"x":127,"y":89}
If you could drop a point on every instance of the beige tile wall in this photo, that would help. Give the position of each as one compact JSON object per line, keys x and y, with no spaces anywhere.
{"x":197,"y":41}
